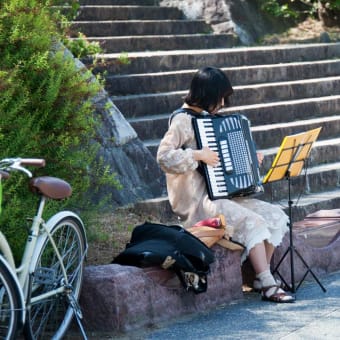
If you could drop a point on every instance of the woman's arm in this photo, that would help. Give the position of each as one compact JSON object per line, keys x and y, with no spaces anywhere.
{"x":173,"y":157}
{"x":207,"y":156}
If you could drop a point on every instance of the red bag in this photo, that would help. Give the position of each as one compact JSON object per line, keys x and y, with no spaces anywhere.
{"x":213,"y":230}
{"x":209,"y":230}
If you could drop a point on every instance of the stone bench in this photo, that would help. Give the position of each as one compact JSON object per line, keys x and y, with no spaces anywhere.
{"x":317,"y":239}
{"x":119,"y":298}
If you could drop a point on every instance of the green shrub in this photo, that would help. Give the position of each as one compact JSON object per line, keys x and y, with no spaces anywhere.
{"x":296,"y":9}
{"x":45,"y":112}
{"x":81,"y":47}
{"x":76,"y":42}
{"x":277,"y":9}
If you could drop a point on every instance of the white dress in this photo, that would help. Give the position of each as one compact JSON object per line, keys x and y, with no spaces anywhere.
{"x":253,"y":220}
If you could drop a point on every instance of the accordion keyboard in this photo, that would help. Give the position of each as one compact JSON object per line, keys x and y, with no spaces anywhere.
{"x":237,"y":173}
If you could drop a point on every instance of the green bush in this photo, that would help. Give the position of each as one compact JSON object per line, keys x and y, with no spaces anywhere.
{"x":45,"y":112}
{"x":278,"y":9}
{"x":297,"y":9}
{"x":66,"y":11}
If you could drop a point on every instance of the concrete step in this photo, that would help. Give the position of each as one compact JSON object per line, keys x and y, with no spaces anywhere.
{"x":312,"y":180}
{"x":154,"y":126}
{"x":150,"y":127}
{"x":321,"y":172}
{"x":196,"y":56}
{"x":152,"y":145}
{"x":140,"y":27}
{"x":289,"y":110}
{"x":267,"y":136}
{"x":244,"y":75}
{"x":142,"y":104}
{"x":323,"y":152}
{"x":132,"y":12}
{"x":274,"y":92}
{"x":327,"y":148}
{"x":303,"y":204}
{"x":112,"y":44}
{"x":309,"y":203}
{"x":319,"y":229}
{"x":120,"y":2}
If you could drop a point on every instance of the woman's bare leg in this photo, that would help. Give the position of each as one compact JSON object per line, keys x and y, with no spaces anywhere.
{"x":258,"y":258}
{"x":269,"y":252}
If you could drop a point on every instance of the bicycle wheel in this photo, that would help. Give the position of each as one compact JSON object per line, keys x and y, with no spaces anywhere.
{"x":10,"y":307}
{"x":50,"y":317}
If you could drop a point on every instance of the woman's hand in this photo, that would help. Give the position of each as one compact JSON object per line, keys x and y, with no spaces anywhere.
{"x":207,"y":156}
{"x":259,"y":157}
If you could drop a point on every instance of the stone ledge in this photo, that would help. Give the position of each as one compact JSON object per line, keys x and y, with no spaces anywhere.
{"x":119,"y":298}
{"x":317,"y":240}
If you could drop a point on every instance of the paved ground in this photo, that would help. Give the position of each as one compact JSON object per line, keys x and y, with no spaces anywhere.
{"x":314,"y":315}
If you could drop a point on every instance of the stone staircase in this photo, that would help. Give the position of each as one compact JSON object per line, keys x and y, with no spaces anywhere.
{"x":151,"y":53}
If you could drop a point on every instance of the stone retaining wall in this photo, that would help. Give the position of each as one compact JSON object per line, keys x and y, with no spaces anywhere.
{"x":119,"y":298}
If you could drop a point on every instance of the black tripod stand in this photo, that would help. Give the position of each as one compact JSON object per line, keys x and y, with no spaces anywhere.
{"x":291,"y":250}
{"x":288,"y":163}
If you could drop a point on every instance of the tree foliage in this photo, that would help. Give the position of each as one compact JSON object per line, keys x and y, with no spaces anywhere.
{"x":45,"y":111}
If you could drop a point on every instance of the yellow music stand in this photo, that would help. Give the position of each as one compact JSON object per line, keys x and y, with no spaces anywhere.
{"x":289,"y":162}
{"x":291,"y":157}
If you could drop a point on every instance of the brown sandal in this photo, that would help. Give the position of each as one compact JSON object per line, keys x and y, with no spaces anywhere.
{"x":277,"y":295}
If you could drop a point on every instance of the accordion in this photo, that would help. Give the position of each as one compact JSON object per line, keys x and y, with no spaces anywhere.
{"x":237,"y":174}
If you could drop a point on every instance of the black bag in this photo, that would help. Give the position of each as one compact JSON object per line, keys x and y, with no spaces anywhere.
{"x":171,"y":247}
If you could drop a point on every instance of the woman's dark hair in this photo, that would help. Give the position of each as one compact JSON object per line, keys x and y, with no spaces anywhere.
{"x":208,"y":86}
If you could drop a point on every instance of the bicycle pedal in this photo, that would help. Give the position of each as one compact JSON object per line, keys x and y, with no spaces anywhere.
{"x":44,"y":275}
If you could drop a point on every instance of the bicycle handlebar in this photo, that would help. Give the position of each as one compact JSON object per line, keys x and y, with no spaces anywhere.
{"x":19,"y":164}
{"x":40,"y":163}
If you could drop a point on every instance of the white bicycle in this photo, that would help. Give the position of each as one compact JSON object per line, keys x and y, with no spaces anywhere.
{"x":41,"y":296}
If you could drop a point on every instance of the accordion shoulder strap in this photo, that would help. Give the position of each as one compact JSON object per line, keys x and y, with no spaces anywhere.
{"x":182,"y":110}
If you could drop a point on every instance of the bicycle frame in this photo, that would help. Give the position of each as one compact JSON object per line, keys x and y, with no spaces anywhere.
{"x":38,"y":233}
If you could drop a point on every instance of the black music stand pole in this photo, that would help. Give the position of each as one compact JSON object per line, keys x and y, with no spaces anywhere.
{"x":288,"y":163}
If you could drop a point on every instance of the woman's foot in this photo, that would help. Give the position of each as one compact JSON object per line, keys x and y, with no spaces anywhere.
{"x":276,"y":294}
{"x":257,"y":285}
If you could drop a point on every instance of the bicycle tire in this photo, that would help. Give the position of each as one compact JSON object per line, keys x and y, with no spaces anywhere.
{"x":10,"y":307}
{"x":49,"y":318}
